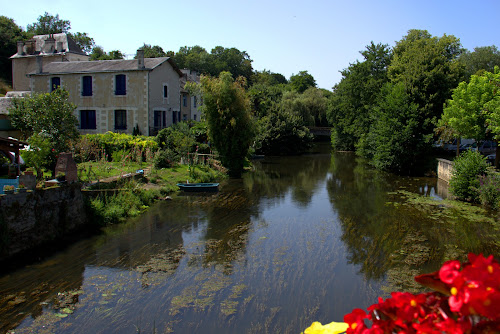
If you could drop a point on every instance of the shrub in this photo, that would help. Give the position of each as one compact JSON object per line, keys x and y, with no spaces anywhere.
{"x":165,"y":159}
{"x":489,"y":189}
{"x":119,"y":156}
{"x":467,"y":168}
{"x":112,"y":142}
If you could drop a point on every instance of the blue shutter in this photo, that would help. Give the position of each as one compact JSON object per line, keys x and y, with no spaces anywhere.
{"x":87,"y":86}
{"x":87,"y":119}
{"x":120,"y":84}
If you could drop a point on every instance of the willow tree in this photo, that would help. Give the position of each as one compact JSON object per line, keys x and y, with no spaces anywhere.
{"x":226,"y":108}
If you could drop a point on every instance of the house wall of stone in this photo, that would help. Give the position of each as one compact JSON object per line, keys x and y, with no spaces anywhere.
{"x":163,"y":74}
{"x":185,"y":109}
{"x":33,"y":218}
{"x":103,"y":99}
{"x":24,"y":65}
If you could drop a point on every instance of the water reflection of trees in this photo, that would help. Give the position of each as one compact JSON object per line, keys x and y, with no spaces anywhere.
{"x":394,"y":238}
{"x":275,"y":177}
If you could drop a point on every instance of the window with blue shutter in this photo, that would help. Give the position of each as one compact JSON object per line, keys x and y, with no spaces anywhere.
{"x":120,"y":120}
{"x":120,"y":84}
{"x":55,"y":82}
{"x":87,"y":119}
{"x":87,"y":86}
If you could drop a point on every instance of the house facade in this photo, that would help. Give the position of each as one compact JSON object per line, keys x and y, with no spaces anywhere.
{"x":52,"y":48}
{"x":190,"y":103}
{"x":116,"y":95}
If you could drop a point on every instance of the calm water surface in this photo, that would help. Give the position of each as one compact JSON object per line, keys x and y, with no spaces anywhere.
{"x":296,"y":240}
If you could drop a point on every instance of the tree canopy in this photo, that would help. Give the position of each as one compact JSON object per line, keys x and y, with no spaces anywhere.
{"x":153,"y":51}
{"x":49,"y":24}
{"x":220,"y":59}
{"x":10,"y":34}
{"x":482,"y":59}
{"x":83,"y":40}
{"x":429,"y":68}
{"x":230,"y":125}
{"x":301,"y":81}
{"x":98,"y":53}
{"x":48,"y":122}
{"x":355,"y":96}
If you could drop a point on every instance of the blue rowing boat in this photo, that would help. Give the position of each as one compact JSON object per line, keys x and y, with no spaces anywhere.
{"x":198,"y":187}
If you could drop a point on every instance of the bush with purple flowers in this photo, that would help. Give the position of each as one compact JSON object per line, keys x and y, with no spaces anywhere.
{"x":489,"y":189}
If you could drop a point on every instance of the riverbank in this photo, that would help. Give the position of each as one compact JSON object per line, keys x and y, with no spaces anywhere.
{"x":47,"y":219}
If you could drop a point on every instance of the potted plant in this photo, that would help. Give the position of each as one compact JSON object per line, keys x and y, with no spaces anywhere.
{"x":21,"y":188}
{"x":8,"y":189}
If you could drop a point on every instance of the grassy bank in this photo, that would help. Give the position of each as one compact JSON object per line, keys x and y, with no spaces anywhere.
{"x":120,"y":199}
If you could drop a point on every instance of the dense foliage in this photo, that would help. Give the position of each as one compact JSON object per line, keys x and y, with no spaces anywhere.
{"x":231,"y":129}
{"x":474,"y":109}
{"x":10,"y":34}
{"x":46,"y":121}
{"x":482,"y":59}
{"x":395,"y":142}
{"x":219,"y":59}
{"x":350,"y":109}
{"x":467,"y":169}
{"x":387,"y":106}
{"x":103,"y":146}
{"x":282,"y":132}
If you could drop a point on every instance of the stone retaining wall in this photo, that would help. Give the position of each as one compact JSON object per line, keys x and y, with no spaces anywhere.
{"x":445,"y":169}
{"x":30,"y":219}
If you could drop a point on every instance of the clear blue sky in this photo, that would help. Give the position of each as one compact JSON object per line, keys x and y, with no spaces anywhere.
{"x":286,"y":37}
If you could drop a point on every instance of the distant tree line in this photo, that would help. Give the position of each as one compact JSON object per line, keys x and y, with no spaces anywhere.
{"x":387,"y":106}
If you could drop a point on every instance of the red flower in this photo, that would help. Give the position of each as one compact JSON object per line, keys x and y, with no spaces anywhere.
{"x":449,"y":271}
{"x":355,"y":320}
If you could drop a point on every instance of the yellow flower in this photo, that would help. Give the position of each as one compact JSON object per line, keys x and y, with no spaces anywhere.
{"x":331,"y":328}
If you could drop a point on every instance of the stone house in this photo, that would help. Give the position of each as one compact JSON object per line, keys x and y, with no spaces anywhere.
{"x":190,"y":103}
{"x":116,"y":95}
{"x":52,"y":48}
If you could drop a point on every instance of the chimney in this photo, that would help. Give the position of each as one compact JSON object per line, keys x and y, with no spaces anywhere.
{"x":50,"y":45}
{"x":59,"y":47}
{"x":140,"y":59}
{"x":39,"y":64}
{"x":20,"y":47}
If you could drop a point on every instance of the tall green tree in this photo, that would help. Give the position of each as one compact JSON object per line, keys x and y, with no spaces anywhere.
{"x":10,"y":34}
{"x":473,"y":111}
{"x":354,"y":97}
{"x":154,"y":51}
{"x":395,"y":142}
{"x":232,"y":60}
{"x":429,"y":68}
{"x":301,"y":81}
{"x":49,"y":24}
{"x":46,"y":120}
{"x":482,"y":59}
{"x":227,"y":112}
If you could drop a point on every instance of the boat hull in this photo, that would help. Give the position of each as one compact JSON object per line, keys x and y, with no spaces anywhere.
{"x":198,"y":187}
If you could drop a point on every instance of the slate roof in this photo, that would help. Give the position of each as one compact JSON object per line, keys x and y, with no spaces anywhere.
{"x":100,"y":66}
{"x":68,"y":45}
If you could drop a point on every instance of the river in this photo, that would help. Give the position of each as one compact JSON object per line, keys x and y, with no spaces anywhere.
{"x":296,"y":240}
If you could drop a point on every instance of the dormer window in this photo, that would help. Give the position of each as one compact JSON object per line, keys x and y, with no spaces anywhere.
{"x":120,"y":84}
